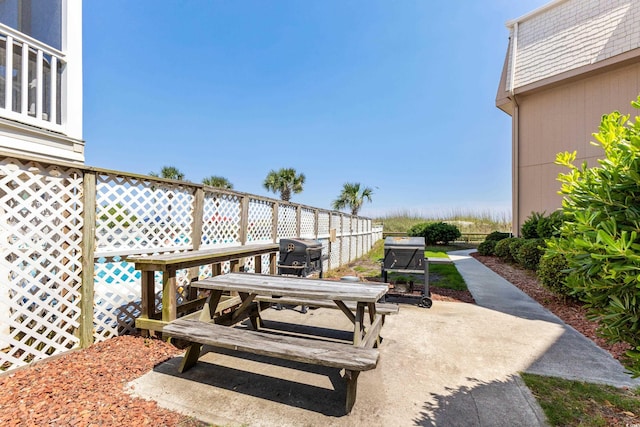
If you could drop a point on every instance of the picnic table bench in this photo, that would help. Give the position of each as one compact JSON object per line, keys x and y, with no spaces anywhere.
{"x":335,"y":355}
{"x":353,"y":358}
{"x":151,"y":320}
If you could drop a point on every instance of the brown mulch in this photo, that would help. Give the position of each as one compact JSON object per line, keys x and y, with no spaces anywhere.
{"x":571,"y":312}
{"x":87,"y":388}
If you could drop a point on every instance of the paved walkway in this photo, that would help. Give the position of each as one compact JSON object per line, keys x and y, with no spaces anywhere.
{"x":572,"y":356}
{"x":454,"y":364}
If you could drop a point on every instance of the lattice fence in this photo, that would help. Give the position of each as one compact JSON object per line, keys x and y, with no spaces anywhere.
{"x":42,"y":230}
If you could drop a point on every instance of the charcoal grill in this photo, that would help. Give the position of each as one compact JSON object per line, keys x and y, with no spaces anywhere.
{"x":300,"y":257}
{"x":406,"y":255}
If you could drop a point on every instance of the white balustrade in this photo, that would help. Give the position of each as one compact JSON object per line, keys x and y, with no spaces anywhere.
{"x":31,"y":81}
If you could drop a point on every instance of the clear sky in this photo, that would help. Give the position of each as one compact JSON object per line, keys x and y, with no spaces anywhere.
{"x":397,"y":95}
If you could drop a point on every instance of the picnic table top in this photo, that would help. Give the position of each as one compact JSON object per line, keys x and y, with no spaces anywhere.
{"x":203,"y":254}
{"x":298,"y":287}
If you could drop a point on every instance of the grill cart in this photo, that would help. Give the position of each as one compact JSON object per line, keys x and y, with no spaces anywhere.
{"x":406,"y":255}
{"x":300,"y":257}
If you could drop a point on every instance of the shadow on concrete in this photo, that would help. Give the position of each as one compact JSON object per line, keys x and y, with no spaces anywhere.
{"x":475,"y":405}
{"x":260,"y":382}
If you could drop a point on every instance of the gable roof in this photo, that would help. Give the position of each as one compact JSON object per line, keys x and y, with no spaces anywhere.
{"x":566,"y":35}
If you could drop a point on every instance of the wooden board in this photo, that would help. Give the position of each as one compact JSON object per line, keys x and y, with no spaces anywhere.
{"x":381,"y":308}
{"x":189,"y":259}
{"x":295,"y":287}
{"x":304,"y":350}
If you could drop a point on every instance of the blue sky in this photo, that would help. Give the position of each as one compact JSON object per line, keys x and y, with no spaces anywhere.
{"x":397,"y":95}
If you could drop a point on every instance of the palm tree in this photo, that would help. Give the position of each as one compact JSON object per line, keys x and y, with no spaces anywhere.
{"x":352,"y":196}
{"x":285,"y":181}
{"x":218,"y":181}
{"x":169,"y":172}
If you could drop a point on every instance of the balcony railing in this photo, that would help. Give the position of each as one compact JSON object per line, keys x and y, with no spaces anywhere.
{"x":30,"y":80}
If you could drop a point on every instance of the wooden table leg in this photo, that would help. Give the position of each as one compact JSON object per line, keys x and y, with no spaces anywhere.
{"x":210,"y":306}
{"x":247,"y":299}
{"x":191,"y":357}
{"x":359,"y":325}
{"x":169,"y":295}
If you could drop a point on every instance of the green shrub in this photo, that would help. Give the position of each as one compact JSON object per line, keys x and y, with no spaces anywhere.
{"x":600,"y":235}
{"x":487,"y":247}
{"x":502,"y":249}
{"x":496,"y":236}
{"x":529,"y":229}
{"x":529,"y":253}
{"x":549,"y":226}
{"x":552,"y":272}
{"x":434,"y":233}
{"x":417,"y":230}
{"x":514,"y":247}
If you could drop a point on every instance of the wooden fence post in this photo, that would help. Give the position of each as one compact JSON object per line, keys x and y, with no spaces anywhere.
{"x":244,"y":219}
{"x":196,"y":235}
{"x":298,"y":221}
{"x":88,"y":247}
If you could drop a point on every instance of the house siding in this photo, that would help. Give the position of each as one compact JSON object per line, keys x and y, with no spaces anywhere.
{"x":564,"y":118}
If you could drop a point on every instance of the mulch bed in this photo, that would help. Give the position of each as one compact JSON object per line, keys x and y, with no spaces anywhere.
{"x":87,"y":388}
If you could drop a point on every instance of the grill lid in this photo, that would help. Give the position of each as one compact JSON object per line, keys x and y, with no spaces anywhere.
{"x":404,"y":242}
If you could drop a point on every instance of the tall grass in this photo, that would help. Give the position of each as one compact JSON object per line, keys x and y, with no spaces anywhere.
{"x":467,"y":221}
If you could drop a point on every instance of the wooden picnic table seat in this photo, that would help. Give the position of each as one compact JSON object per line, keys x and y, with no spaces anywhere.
{"x":351,"y":358}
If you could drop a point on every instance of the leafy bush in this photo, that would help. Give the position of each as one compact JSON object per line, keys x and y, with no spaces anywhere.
{"x":496,"y":236}
{"x":503,"y":250}
{"x":552,"y":272}
{"x":417,"y":230}
{"x":600,"y":238}
{"x":487,"y":247}
{"x":434,"y":233}
{"x":549,"y":226}
{"x":529,"y":229}
{"x":529,"y":253}
{"x":514,"y":247}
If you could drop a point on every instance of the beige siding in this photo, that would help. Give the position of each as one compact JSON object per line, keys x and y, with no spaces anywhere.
{"x":564,"y":118}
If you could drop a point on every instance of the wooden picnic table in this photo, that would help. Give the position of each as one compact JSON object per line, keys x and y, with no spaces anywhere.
{"x":360,"y":356}
{"x":151,"y":320}
{"x":249,"y":286}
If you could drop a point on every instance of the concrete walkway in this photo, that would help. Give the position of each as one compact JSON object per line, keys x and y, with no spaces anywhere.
{"x":572,"y":356}
{"x":455,"y":364}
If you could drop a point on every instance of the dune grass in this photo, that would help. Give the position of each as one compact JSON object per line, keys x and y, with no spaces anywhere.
{"x":466,"y":221}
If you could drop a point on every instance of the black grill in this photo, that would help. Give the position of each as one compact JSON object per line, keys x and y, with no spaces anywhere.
{"x":300,"y":257}
{"x":403,"y":253}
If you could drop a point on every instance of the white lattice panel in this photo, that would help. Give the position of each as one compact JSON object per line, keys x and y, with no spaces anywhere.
{"x":346,"y":225}
{"x":221,"y":220}
{"x":336,"y":224}
{"x":116,"y":298}
{"x":260,"y":226}
{"x":133,"y":213}
{"x":323,"y":223}
{"x":40,"y":269}
{"x":346,"y":242}
{"x":336,"y":259}
{"x":307,"y":223}
{"x":286,"y":221}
